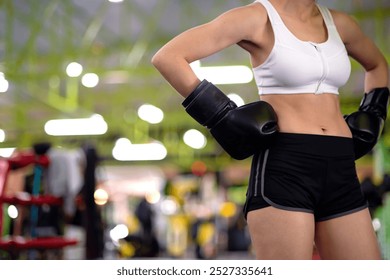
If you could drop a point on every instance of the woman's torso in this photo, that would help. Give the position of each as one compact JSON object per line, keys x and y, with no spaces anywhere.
{"x":309,"y":114}
{"x":300,"y":112}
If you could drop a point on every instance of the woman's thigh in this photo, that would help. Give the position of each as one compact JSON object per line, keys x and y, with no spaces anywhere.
{"x":348,"y":237}
{"x":280,"y":234}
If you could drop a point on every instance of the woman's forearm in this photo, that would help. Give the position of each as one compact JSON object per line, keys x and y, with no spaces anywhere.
{"x":177,"y":72}
{"x":377,"y":77}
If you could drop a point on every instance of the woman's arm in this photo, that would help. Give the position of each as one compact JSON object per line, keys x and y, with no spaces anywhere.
{"x":230,"y":28}
{"x":363,"y":50}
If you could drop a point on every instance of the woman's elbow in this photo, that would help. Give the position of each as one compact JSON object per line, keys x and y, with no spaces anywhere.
{"x":156,"y":60}
{"x":162,"y":61}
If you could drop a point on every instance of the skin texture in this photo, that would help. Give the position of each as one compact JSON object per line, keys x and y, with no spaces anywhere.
{"x":275,"y":233}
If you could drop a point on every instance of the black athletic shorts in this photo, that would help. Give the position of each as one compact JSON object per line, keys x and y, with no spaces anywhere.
{"x":308,"y":173}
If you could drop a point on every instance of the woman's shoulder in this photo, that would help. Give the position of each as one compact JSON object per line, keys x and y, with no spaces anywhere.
{"x":253,"y":14}
{"x":251,"y":17}
{"x":341,"y":16}
{"x":253,"y":10}
{"x":345,"y":23}
{"x":257,"y":9}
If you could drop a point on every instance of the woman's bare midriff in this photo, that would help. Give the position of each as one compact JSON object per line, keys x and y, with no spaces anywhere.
{"x":309,"y":113}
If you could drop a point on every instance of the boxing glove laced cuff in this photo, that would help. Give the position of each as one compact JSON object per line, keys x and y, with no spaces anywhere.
{"x":206,"y":104}
{"x":376,"y":102}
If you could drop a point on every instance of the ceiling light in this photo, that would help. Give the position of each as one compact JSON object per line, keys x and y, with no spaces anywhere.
{"x":124,"y":150}
{"x":3,"y":83}
{"x":235,"y":74}
{"x":94,"y":125}
{"x":2,"y":135}
{"x":150,"y":113}
{"x":90,"y":80}
{"x":195,"y":139}
{"x":74,"y":69}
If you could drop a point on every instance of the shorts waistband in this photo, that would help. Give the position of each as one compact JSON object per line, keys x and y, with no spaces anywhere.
{"x":315,"y":144}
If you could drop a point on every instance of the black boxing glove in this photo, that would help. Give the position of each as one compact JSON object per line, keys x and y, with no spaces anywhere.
{"x":367,"y":123}
{"x":241,"y":131}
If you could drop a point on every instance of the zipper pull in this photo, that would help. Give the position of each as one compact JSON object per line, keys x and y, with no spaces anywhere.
{"x":314,"y":45}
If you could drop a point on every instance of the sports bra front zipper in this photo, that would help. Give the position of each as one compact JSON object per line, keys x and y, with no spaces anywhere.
{"x":323,"y":65}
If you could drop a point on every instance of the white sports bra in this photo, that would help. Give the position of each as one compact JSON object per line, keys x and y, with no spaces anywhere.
{"x":296,"y":66}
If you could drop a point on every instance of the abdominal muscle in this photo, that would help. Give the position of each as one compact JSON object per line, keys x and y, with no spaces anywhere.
{"x":309,"y":114}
